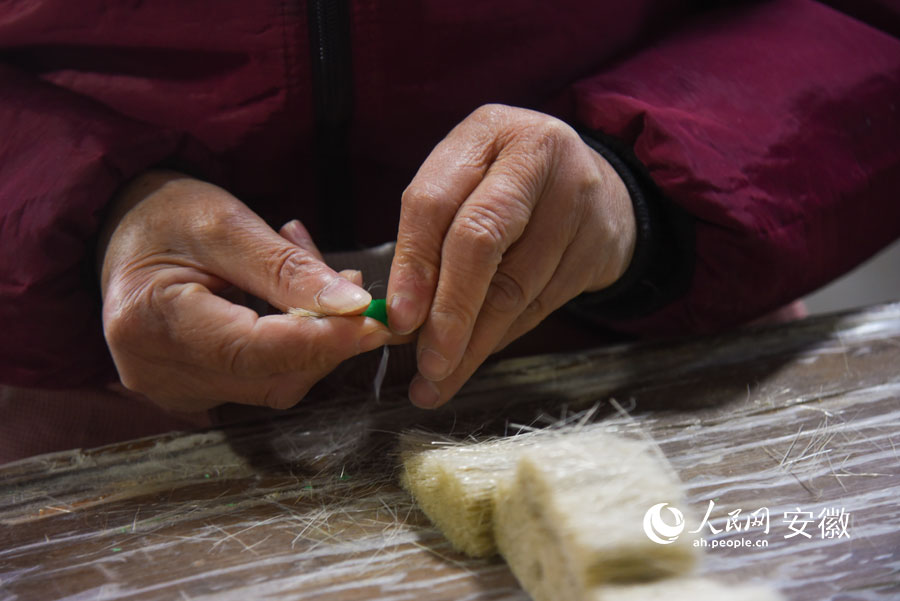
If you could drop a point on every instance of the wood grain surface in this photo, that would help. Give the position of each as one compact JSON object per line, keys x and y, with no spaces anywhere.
{"x":801,"y":419}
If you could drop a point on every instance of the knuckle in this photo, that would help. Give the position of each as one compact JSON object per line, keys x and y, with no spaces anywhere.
{"x":136,"y":378}
{"x":493,"y":126}
{"x":536,"y":309}
{"x":454,"y":319}
{"x":234,"y":354}
{"x":277,"y":401}
{"x":215,"y":225}
{"x":286,"y":265}
{"x":132,"y":380}
{"x":505,"y":294}
{"x":522,"y":182}
{"x":541,"y":143}
{"x":172,"y":402}
{"x":417,"y":253}
{"x":280,"y":396}
{"x":123,"y":322}
{"x":484,"y":231}
{"x":492,"y":112}
{"x":416,"y":265}
{"x":473,"y":356}
{"x":120,"y":330}
{"x":293,"y":383}
{"x":552,"y":132}
{"x":422,"y":196}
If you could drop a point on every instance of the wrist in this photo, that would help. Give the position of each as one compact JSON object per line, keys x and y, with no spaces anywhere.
{"x":661,"y":265}
{"x":612,"y":205}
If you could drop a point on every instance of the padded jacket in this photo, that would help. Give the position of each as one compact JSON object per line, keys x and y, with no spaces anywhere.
{"x":760,"y":140}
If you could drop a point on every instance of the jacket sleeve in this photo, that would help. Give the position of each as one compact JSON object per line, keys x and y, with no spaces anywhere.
{"x":765,"y":138}
{"x":62,"y":157}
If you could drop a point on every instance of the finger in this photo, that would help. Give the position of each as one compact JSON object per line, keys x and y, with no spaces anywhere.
{"x":525,"y":271}
{"x":295,"y":232}
{"x":428,"y":394}
{"x":450,"y":173}
{"x":199,"y":389}
{"x":528,"y":320}
{"x":568,"y":281}
{"x":213,"y":336}
{"x":489,"y":222}
{"x":352,"y":275}
{"x":598,"y":251}
{"x":536,"y":275}
{"x":217,"y":334}
{"x":245,"y":251}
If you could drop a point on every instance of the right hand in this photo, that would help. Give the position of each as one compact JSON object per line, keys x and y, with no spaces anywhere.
{"x":170,"y":244}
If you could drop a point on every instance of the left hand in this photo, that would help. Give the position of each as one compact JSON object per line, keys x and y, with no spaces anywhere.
{"x":511,"y":216}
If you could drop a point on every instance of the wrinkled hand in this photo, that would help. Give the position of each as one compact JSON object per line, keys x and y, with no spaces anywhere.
{"x":511,"y":216}
{"x":171,"y":247}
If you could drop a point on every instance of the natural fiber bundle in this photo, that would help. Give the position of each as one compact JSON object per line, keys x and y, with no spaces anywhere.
{"x":565,"y":507}
{"x":571,"y":517}
{"x":454,"y":484}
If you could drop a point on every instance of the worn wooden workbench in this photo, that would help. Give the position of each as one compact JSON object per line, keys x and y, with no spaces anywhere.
{"x":801,"y":419}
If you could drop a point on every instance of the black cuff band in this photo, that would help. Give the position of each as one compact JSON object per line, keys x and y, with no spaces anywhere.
{"x":662,"y":263}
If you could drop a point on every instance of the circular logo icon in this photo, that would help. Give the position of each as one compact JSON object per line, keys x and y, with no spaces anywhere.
{"x":657,"y":529}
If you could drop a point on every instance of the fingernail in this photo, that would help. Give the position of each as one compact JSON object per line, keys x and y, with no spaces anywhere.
{"x":424,"y":393}
{"x":403,"y":316}
{"x":341,"y":296}
{"x":372,"y":341}
{"x":433,"y":365}
{"x":294,"y":232}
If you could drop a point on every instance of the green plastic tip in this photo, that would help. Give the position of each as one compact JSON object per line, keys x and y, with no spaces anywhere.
{"x":377,"y":309}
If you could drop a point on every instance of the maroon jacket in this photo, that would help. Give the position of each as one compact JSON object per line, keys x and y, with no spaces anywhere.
{"x":766,"y":135}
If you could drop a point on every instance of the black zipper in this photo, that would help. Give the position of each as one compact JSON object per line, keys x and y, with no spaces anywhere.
{"x":332,"y":80}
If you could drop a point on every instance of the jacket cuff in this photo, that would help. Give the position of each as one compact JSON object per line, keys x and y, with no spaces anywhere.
{"x":663,"y":260}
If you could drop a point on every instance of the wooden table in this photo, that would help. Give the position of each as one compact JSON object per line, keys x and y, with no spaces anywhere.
{"x":799,"y":419}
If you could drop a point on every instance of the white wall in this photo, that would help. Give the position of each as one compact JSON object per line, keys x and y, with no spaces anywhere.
{"x":876,"y":281}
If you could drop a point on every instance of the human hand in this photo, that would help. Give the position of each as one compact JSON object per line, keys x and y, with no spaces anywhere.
{"x":171,"y":246}
{"x":510,"y":216}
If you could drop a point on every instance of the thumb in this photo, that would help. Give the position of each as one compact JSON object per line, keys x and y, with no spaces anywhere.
{"x":260,"y":261}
